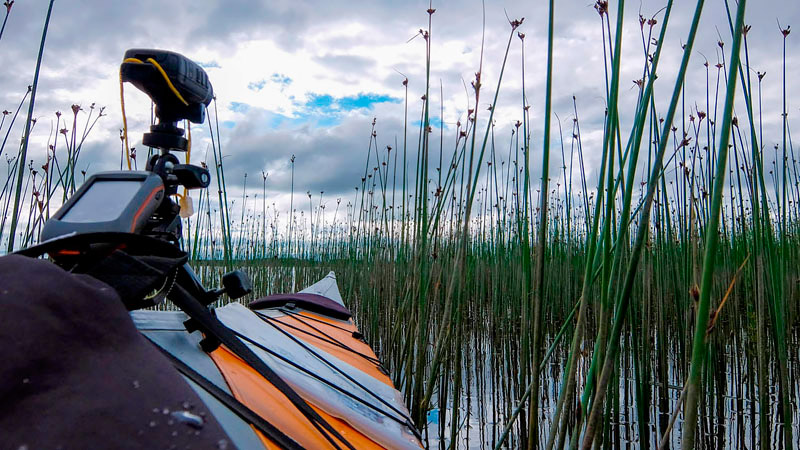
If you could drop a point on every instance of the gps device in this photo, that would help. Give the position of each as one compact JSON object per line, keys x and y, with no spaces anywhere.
{"x":109,"y":201}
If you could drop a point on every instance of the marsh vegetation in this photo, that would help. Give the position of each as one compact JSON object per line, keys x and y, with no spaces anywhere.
{"x":647,"y":302}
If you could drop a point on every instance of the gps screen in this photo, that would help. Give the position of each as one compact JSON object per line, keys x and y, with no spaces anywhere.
{"x":104,"y":201}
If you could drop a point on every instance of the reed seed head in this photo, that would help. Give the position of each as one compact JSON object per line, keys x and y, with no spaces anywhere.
{"x":694,"y":292}
{"x":601,"y":6}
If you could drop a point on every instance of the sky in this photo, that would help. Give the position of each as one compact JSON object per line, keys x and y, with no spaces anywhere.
{"x":306,"y":78}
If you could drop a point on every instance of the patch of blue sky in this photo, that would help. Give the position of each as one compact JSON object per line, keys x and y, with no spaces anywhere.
{"x":208,"y":65}
{"x":256,"y":85}
{"x":435,"y":122}
{"x":281,"y":79}
{"x":276,"y":78}
{"x":228,"y":124}
{"x":239,"y":107}
{"x":319,"y":102}
{"x":318,"y":110}
{"x":364,"y":101}
{"x":326,"y":103}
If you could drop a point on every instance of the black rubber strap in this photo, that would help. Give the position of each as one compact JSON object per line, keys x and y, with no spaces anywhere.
{"x":321,"y":379}
{"x":287,"y":311}
{"x":405,"y":421}
{"x":206,"y":322}
{"x":240,"y":409}
{"x":325,"y":337}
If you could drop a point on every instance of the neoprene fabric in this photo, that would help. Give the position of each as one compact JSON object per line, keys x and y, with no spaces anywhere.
{"x":75,"y":373}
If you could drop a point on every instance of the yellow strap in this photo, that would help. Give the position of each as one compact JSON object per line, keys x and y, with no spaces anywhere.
{"x":188,"y":150}
{"x":166,"y":78}
{"x":124,"y":120}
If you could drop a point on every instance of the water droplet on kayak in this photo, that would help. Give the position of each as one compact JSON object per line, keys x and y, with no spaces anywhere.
{"x":165,"y":411}
{"x":186,"y":405}
{"x":185,"y":417}
{"x":222,"y":444}
{"x":136,"y":384}
{"x":174,"y":434}
{"x":26,"y":381}
{"x":152,"y":424}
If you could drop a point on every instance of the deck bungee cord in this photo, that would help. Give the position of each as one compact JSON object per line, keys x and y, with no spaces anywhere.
{"x":405,"y":421}
{"x":216,"y":333}
{"x":355,"y":334}
{"x":324,"y":337}
{"x":240,"y":409}
{"x":325,"y":381}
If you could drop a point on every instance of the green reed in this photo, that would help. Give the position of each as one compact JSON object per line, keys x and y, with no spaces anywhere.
{"x":524,"y":314}
{"x":23,"y":152}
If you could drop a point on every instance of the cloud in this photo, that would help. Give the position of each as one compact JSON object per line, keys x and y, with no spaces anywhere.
{"x":306,"y":77}
{"x":345,"y":63}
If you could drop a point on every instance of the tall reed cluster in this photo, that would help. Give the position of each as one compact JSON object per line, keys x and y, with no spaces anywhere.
{"x":654,"y":307}
{"x":33,"y":189}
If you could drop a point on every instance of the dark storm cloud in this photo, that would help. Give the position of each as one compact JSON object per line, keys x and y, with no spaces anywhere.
{"x":228,"y":21}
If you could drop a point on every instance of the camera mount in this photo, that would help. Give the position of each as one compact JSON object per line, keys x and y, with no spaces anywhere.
{"x":179,"y":88}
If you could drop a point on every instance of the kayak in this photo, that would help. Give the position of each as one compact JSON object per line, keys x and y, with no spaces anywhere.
{"x":310,"y":341}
